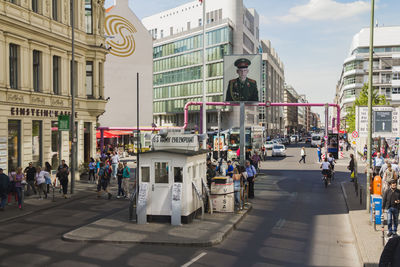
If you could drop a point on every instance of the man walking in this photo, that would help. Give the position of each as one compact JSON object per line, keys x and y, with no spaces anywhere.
{"x":125,"y":179}
{"x":114,"y":164}
{"x":4,"y":182}
{"x":319,"y":153}
{"x":303,"y":155}
{"x":391,"y":201}
{"x":62,"y":175}
{"x":251,"y":175}
{"x":30,"y":173}
{"x":378,"y":163}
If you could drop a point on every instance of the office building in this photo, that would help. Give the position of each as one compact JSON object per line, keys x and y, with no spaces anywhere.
{"x":290,"y":114}
{"x":177,"y":59}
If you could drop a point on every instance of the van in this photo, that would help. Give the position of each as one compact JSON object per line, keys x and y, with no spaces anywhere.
{"x":316,"y":140}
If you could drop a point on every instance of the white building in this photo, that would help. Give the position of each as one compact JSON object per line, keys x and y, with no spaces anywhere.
{"x":386,"y":67}
{"x":231,"y":29}
{"x":130,"y":53}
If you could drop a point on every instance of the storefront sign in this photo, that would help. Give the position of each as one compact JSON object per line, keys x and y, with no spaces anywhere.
{"x":36,"y":112}
{"x":63,"y":122}
{"x":175,"y":141}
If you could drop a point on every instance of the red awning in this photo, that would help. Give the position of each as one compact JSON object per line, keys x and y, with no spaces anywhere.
{"x":112,"y":133}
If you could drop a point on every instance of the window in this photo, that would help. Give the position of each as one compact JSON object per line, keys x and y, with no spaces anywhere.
{"x":161,"y":172}
{"x":14,"y":144}
{"x":37,"y":70}
{"x":88,"y":16}
{"x":396,"y":76}
{"x":35,"y":6}
{"x":55,"y":9}
{"x":162,"y":33}
{"x":55,"y":143}
{"x":396,"y":90}
{"x":56,"y":75}
{"x":89,"y":78}
{"x":199,"y":22}
{"x":101,"y":79}
{"x":145,"y":174}
{"x":14,"y":66}
{"x":37,"y":143}
{"x":188,"y":25}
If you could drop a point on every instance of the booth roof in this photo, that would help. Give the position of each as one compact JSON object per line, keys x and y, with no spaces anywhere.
{"x":180,"y":151}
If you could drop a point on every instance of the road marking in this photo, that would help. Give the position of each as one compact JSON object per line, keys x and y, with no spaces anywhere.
{"x":194,"y":260}
{"x":279,"y":224}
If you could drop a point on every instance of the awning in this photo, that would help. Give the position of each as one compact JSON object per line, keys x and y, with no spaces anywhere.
{"x":112,"y":133}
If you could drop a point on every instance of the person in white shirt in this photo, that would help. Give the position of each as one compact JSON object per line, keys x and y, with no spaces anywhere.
{"x":114,"y":164}
{"x":41,"y":181}
{"x":303,"y":155}
{"x":326,"y":168}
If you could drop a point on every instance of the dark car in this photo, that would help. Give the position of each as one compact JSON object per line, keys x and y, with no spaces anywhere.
{"x":308,"y":140}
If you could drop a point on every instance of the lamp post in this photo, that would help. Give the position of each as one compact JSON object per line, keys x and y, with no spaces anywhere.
{"x":204,"y":109}
{"x":73,"y":143}
{"x":369,"y":140}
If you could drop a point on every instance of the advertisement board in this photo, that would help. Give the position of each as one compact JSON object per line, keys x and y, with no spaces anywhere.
{"x":333,"y":144}
{"x":221,"y":143}
{"x":242,"y":78}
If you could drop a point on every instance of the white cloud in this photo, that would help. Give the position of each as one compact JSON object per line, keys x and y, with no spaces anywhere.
{"x":325,"y":10}
{"x":264,"y":20}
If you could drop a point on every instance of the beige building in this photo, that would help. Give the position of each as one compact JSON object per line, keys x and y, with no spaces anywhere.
{"x":35,"y":79}
{"x":290,"y":114}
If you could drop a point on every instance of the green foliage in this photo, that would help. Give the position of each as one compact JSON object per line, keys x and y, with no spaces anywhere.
{"x":362,"y":100}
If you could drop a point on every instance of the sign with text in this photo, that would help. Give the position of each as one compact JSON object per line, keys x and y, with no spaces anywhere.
{"x":220,"y":143}
{"x":63,"y":123}
{"x":385,"y":121}
{"x":142,"y":203}
{"x":175,"y":141}
{"x":176,"y":204}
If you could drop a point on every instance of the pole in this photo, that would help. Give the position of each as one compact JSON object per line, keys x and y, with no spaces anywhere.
{"x":137,"y":141}
{"x":242,"y":136}
{"x":204,"y":111}
{"x":73,"y":155}
{"x":369,"y":140}
{"x":219,"y":129}
{"x":326,"y":126}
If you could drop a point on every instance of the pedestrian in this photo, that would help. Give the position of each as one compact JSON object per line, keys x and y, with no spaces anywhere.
{"x":319,"y":153}
{"x":244,"y":188}
{"x":378,"y":162}
{"x":391,"y":253}
{"x":303,"y":155}
{"x":120,"y":171}
{"x":388,"y":176}
{"x":11,"y":187}
{"x":365,"y":151}
{"x":92,"y":169}
{"x":255,"y":159}
{"x":41,"y":182}
{"x":391,"y":201}
{"x":19,"y":177}
{"x":251,"y":175}
{"x":126,"y":174}
{"x":30,"y":174}
{"x":97,"y":170}
{"x":114,"y":164}
{"x":230,"y":170}
{"x":4,"y":184}
{"x":384,"y":167}
{"x":351,"y":168}
{"x":238,"y":154}
{"x":62,"y":175}
{"x":47,"y":168}
{"x":236,"y":186}
{"x":104,"y":179}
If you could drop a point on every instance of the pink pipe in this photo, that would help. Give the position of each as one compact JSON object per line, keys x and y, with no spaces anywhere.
{"x":128,"y":128}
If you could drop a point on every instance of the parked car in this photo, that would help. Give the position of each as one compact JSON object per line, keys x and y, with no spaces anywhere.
{"x":285,"y":141}
{"x":316,"y":140}
{"x":269,"y":145}
{"x":308,"y":140}
{"x":294,"y":138}
{"x":278,"y":151}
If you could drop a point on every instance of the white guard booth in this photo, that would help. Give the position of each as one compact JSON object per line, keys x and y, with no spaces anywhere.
{"x":173,"y":160}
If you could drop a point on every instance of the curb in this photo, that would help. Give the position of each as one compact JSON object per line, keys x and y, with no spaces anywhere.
{"x":360,"y":258}
{"x":211,"y":242}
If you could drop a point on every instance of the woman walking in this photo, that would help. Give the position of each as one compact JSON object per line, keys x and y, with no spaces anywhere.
{"x":303,"y":155}
{"x":19,"y":176}
{"x":120,"y":172}
{"x":236,"y":185}
{"x":351,"y":168}
{"x":92,"y":169}
{"x":41,"y":182}
{"x":47,"y":168}
{"x":388,"y":175}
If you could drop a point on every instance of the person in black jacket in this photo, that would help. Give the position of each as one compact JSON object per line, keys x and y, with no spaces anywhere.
{"x":4,"y":182}
{"x":391,"y":201}
{"x":391,"y":253}
{"x":351,"y":167}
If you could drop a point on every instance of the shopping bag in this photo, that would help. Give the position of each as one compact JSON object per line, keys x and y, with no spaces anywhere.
{"x":352,"y":175}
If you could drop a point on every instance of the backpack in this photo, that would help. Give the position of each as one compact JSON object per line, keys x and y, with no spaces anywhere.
{"x":103,"y":174}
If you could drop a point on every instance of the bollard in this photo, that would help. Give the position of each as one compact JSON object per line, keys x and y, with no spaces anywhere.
{"x":383,"y":230}
{"x":360,"y":195}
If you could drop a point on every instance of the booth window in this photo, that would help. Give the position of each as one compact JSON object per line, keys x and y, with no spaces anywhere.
{"x":145,"y":174}
{"x":178,"y":177}
{"x":14,"y":144}
{"x":37,"y":132}
{"x":161,"y":172}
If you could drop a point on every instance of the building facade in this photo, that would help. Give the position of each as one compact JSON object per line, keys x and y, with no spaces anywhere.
{"x":386,"y":67}
{"x":35,"y":80}
{"x":273,"y":81}
{"x":231,"y":28}
{"x":290,"y":114}
{"x":130,"y":55}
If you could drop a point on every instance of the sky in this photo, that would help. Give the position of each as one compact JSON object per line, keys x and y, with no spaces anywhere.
{"x":312,"y":37}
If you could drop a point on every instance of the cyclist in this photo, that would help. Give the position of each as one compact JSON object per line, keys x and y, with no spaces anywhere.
{"x":326,"y":170}
{"x":332,"y":162}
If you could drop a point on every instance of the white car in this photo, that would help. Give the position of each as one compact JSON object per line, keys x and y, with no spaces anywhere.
{"x":269,"y":145}
{"x":316,"y":140}
{"x":278,"y":151}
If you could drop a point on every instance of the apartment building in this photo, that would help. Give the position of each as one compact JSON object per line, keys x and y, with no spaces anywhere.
{"x":290,"y":113}
{"x":273,"y":81}
{"x":386,"y":67}
{"x":35,"y":79}
{"x":231,"y":28}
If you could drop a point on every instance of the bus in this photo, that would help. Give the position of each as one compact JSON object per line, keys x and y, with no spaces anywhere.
{"x":254,"y":139}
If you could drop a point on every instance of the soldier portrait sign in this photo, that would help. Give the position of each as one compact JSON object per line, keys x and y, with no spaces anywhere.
{"x":242,"y":78}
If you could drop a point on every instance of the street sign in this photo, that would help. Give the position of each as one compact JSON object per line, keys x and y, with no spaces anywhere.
{"x":354,"y":134}
{"x":63,"y":123}
{"x":268,"y":103}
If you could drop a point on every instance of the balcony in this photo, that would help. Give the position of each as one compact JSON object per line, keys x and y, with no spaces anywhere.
{"x":352,"y":86}
{"x":354,"y":72}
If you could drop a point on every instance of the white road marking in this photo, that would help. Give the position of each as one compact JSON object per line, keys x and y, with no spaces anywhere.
{"x":194,"y":260}
{"x":279,"y":224}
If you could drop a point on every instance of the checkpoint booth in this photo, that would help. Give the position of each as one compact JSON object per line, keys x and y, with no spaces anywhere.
{"x":171,"y":179}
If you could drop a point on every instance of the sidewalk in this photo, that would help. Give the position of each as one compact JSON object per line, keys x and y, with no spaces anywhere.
{"x":369,"y":241}
{"x":116,"y":228}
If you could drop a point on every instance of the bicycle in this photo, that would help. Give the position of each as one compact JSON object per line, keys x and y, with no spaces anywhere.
{"x":326,"y":177}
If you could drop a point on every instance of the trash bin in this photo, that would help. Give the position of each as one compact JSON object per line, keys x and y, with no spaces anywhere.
{"x":376,"y":208}
{"x":377,"y":185}
{"x":222,"y":194}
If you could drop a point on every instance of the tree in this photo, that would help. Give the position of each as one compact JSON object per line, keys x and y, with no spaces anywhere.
{"x":362,"y":100}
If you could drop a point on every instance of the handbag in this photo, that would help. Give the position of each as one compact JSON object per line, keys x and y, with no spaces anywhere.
{"x":352,"y":175}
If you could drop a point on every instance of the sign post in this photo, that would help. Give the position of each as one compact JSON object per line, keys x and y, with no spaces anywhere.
{"x":242,"y":136}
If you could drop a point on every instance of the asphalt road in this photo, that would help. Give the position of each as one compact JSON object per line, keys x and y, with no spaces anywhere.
{"x":295,"y":221}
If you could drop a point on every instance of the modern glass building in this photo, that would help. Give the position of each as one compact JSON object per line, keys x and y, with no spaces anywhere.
{"x":178,"y":59}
